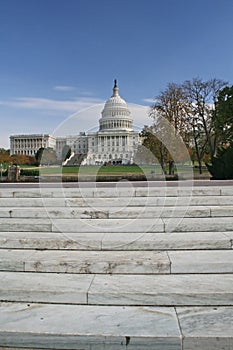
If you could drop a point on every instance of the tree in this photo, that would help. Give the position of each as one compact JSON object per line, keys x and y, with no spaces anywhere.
{"x":202,"y":99}
{"x":66,"y":152}
{"x":22,"y":159}
{"x":224,"y":115}
{"x":39,"y":154}
{"x":151,"y":151}
{"x":46,"y":156}
{"x":170,"y":124}
{"x":4,"y":156}
{"x":197,"y":111}
{"x":222,"y":165}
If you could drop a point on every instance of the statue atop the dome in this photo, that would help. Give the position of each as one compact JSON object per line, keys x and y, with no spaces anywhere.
{"x":115,"y":83}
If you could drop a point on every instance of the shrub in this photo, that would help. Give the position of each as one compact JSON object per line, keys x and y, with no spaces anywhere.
{"x":29,"y":172}
{"x":222,"y":166}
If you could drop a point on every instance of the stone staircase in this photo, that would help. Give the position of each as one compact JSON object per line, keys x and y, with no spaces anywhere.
{"x":93,"y":268}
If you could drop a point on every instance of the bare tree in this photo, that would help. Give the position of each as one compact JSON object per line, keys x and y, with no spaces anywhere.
{"x":169,"y":113}
{"x":202,"y":99}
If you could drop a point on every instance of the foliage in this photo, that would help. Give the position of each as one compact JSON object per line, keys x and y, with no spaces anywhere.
{"x":46,"y":156}
{"x":29,"y":172}
{"x":224,"y":115}
{"x":66,"y":152}
{"x":222,"y":165}
{"x":20,"y":159}
{"x":161,"y":145}
{"x":191,"y":110}
{"x":4,"y":156}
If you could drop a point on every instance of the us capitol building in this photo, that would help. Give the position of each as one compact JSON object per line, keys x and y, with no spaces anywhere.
{"x":115,"y":142}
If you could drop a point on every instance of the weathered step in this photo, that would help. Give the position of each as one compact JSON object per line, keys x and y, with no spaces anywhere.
{"x":82,"y":225}
{"x":162,"y":290}
{"x":201,"y":261}
{"x":114,"y":327}
{"x":142,"y":201}
{"x":217,"y":224}
{"x":88,"y":327}
{"x":120,"y":190}
{"x":117,"y":262}
{"x":25,"y":225}
{"x":92,"y":262}
{"x":116,"y":241}
{"x":45,"y":287}
{"x":115,"y":212}
{"x":156,"y":290}
{"x":123,"y":202}
{"x":167,"y":241}
{"x":206,"y":328}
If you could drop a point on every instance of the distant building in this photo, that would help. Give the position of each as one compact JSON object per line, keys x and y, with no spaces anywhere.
{"x":29,"y":144}
{"x":115,"y":142}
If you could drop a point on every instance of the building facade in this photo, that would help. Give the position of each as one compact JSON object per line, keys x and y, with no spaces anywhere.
{"x":29,"y":144}
{"x":114,"y":143}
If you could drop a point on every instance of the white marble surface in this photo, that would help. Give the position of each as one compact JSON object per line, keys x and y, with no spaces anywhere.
{"x":201,"y":261}
{"x":116,"y":241}
{"x":198,"y":224}
{"x":89,"y":327}
{"x":32,"y":202}
{"x":112,"y":213}
{"x":14,"y":260}
{"x":166,"y":241}
{"x":163,"y":290}
{"x":109,"y":225}
{"x":209,"y":328}
{"x":51,"y":240}
{"x":227,"y":191}
{"x":44,"y":287}
{"x":222,"y":211}
{"x":12,"y":224}
{"x":105,"y":262}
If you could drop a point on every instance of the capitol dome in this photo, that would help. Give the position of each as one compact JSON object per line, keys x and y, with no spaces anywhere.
{"x":115,"y":115}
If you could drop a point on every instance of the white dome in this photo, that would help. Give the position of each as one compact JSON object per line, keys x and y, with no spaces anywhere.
{"x":116,"y":114}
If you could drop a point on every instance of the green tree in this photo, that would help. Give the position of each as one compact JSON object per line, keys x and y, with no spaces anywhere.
{"x":169,"y":113}
{"x":202,"y":99}
{"x":222,"y":165}
{"x":224,"y":115}
{"x":39,"y":154}
{"x":4,"y":156}
{"x":66,"y":152}
{"x":46,"y":156}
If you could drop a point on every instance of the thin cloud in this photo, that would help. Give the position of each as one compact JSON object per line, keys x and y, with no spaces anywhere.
{"x":63,"y":88}
{"x":49,"y":104}
{"x":149,"y":100}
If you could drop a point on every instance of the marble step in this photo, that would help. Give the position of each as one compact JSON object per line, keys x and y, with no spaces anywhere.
{"x":116,"y":241}
{"x":82,"y":262}
{"x":116,"y":212}
{"x":117,"y":262}
{"x":120,"y":190}
{"x":88,"y":327}
{"x":99,"y":289}
{"x":214,"y":224}
{"x":43,"y":326}
{"x":122,"y":202}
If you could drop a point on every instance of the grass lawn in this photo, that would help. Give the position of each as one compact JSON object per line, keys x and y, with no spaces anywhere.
{"x":89,"y":170}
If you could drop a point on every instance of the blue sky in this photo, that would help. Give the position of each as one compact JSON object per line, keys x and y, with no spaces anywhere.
{"x":58,"y":57}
